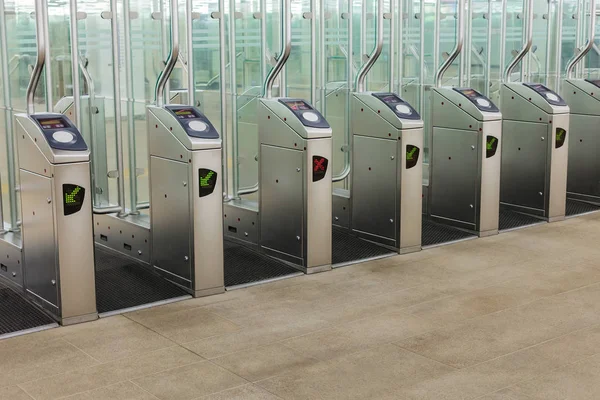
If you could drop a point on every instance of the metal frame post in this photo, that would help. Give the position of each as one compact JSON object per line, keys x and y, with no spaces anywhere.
{"x":286,"y":49}
{"x":460,"y":37}
{"x":590,"y":41}
{"x":526,"y":45}
{"x":75,"y":61}
{"x":362,"y":73}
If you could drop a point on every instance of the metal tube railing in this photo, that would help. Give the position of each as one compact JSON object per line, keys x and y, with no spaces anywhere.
{"x":5,"y":78}
{"x":460,"y":37}
{"x":526,"y":45}
{"x":40,"y":61}
{"x":364,"y":70}
{"x":590,"y":42}
{"x":131,"y":142}
{"x":161,"y":84}
{"x":189,"y":30}
{"x":224,"y":103}
{"x":286,"y":49}
{"x":74,"y":65}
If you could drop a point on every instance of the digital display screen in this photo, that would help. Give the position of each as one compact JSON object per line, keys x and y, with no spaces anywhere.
{"x":208,"y":181}
{"x":470,"y":93}
{"x":55,"y":123}
{"x":73,"y":196}
{"x":185,"y":113}
{"x":390,"y":99}
{"x":297,"y":105}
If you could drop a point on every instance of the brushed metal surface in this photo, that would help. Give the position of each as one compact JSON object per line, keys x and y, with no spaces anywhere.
{"x":557,"y":168}
{"x":584,"y":155}
{"x":524,"y":162}
{"x":454,"y":185}
{"x":240,"y":220}
{"x":75,"y":239}
{"x":282,"y":200}
{"x":410,"y":193}
{"x":129,"y":236}
{"x":207,"y":213}
{"x":40,"y":250}
{"x":171,"y":227}
{"x":341,"y":208}
{"x":374,"y":187}
{"x":11,"y":258}
{"x":489,"y":209}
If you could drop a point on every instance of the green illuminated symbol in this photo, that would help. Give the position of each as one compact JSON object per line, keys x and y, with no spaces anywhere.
{"x":70,"y":197}
{"x":409,"y":155}
{"x":490,"y":143}
{"x":204,"y":181}
{"x":559,"y":134}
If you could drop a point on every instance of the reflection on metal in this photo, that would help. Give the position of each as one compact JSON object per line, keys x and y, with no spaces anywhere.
{"x":133,"y":190}
{"x":286,"y":42}
{"x":74,"y":66}
{"x":590,"y":41}
{"x":526,"y":45}
{"x":457,"y":49}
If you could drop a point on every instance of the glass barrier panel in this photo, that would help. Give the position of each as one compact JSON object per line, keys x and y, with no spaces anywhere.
{"x":538,"y":59}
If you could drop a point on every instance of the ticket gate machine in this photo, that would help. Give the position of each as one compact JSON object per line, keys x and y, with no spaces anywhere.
{"x":57,"y":228}
{"x":464,"y":174}
{"x":295,"y":186}
{"x":387,"y":172}
{"x":186,"y":215}
{"x":535,"y":150}
{"x":583,"y":177}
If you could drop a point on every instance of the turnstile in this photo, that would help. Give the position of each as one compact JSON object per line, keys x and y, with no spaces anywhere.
{"x":295,"y":184}
{"x":58,"y":239}
{"x":387,"y":171}
{"x":464,"y":171}
{"x":583,"y":178}
{"x":186,"y":197}
{"x":535,"y":150}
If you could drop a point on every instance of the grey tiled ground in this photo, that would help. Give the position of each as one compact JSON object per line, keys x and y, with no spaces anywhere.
{"x":511,"y":317}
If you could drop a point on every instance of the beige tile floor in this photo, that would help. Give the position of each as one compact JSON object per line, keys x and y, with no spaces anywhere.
{"x":511,"y":317}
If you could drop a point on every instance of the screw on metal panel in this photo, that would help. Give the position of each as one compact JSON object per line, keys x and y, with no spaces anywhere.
{"x":337,"y":218}
{"x":392,"y":158}
{"x":472,"y":147}
{"x":543,"y":138}
{"x":184,"y":184}
{"x":246,"y":234}
{"x":139,"y":252}
{"x":541,"y":194}
{"x":49,"y":200}
{"x":14,"y":274}
{"x":391,"y":221}
{"x":471,"y":205}
{"x":53,"y":282}
{"x":298,"y":238}
{"x":297,"y":169}
{"x":186,"y":258}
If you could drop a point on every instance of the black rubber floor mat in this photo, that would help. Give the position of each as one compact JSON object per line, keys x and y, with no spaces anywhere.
{"x":510,"y":219}
{"x":434,"y":233}
{"x":244,"y":265}
{"x":17,"y":314}
{"x":122,"y":283}
{"x":348,"y":248}
{"x":575,"y":207}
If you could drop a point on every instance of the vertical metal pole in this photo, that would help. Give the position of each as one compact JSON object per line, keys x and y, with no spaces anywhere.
{"x":8,"y":117}
{"x":313,"y":51}
{"x":162,"y":85}
{"x":487,"y":79}
{"x":590,"y":41}
{"x":114,"y":27}
{"x":233,"y":74}
{"x":362,"y":73}
{"x":528,"y":33}
{"x":400,"y":44}
{"x":350,"y":52}
{"x":48,"y":64}
{"x":75,"y":61}
{"x":558,"y":55}
{"x":422,"y":56}
{"x":131,"y":142}
{"x":392,"y":48}
{"x":548,"y":45}
{"x":41,"y":56}
{"x":459,"y":44}
{"x":263,"y":39}
{"x":437,"y":37}
{"x":503,"y":29}
{"x":468,"y":55}
{"x":189,"y":30}
{"x":286,"y":48}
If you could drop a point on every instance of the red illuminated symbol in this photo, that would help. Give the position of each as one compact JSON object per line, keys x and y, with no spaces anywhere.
{"x":319,"y":164}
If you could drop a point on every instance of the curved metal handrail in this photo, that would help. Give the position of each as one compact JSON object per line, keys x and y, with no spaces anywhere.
{"x":590,"y":43}
{"x":364,"y":70}
{"x":526,"y":45}
{"x":460,"y":38}
{"x":286,"y":41}
{"x":161,"y":84}
{"x":41,"y":55}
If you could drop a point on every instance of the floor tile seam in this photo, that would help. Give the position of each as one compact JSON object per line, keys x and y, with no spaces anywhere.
{"x":222,"y":391}
{"x":26,"y":392}
{"x":83,"y":351}
{"x":397,"y":344}
{"x":177,"y":312}
{"x":516,"y":306}
{"x":592,"y":326}
{"x":89,"y":390}
{"x":248,"y":381}
{"x":144,"y":390}
{"x":498,"y":391}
